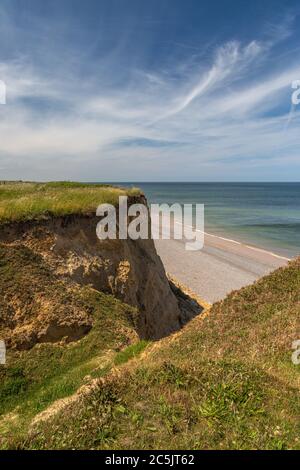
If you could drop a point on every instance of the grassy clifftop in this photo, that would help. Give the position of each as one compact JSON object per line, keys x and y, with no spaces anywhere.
{"x":24,"y":201}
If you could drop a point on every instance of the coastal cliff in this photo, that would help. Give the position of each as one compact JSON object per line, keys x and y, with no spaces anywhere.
{"x":78,"y":315}
{"x":47,"y":260}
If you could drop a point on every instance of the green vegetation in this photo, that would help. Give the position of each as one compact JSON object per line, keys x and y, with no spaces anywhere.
{"x":32,"y":380}
{"x":225,"y":382}
{"x":132,"y":351}
{"x":35,"y":299}
{"x":23,"y":201}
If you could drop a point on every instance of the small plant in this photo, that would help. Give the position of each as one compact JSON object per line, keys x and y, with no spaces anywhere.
{"x":169,"y":373}
{"x":170,"y":414}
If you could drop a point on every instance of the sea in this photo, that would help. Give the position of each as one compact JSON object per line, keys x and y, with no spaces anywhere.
{"x":265,"y":215}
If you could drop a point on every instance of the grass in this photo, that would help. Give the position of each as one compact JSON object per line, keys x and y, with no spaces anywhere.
{"x":130,"y":352}
{"x":32,"y":380}
{"x":24,"y":201}
{"x":225,"y":382}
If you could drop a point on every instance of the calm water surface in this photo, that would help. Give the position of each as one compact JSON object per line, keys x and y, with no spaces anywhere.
{"x":263,"y":214}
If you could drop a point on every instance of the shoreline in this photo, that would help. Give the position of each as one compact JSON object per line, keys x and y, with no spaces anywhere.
{"x":247,"y":245}
{"x":223,"y":264}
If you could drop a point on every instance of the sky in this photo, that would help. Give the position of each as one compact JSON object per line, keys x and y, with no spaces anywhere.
{"x":149,"y":90}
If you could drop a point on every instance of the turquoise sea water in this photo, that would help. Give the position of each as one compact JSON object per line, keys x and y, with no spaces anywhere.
{"x":263,"y":214}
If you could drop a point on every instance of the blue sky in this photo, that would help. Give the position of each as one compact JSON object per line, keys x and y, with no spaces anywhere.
{"x":156,"y":90}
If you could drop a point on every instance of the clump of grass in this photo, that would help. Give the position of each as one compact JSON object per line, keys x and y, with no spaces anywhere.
{"x":23,"y":201}
{"x":130,"y":352}
{"x":14,"y":382}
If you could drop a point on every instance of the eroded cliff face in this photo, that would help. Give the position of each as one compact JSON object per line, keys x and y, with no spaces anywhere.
{"x":130,"y":270}
{"x":67,"y":248}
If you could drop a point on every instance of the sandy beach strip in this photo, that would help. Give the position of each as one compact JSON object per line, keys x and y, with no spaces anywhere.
{"x":221,"y":266}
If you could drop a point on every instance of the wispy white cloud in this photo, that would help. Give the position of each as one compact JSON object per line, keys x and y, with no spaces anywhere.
{"x":230,"y":110}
